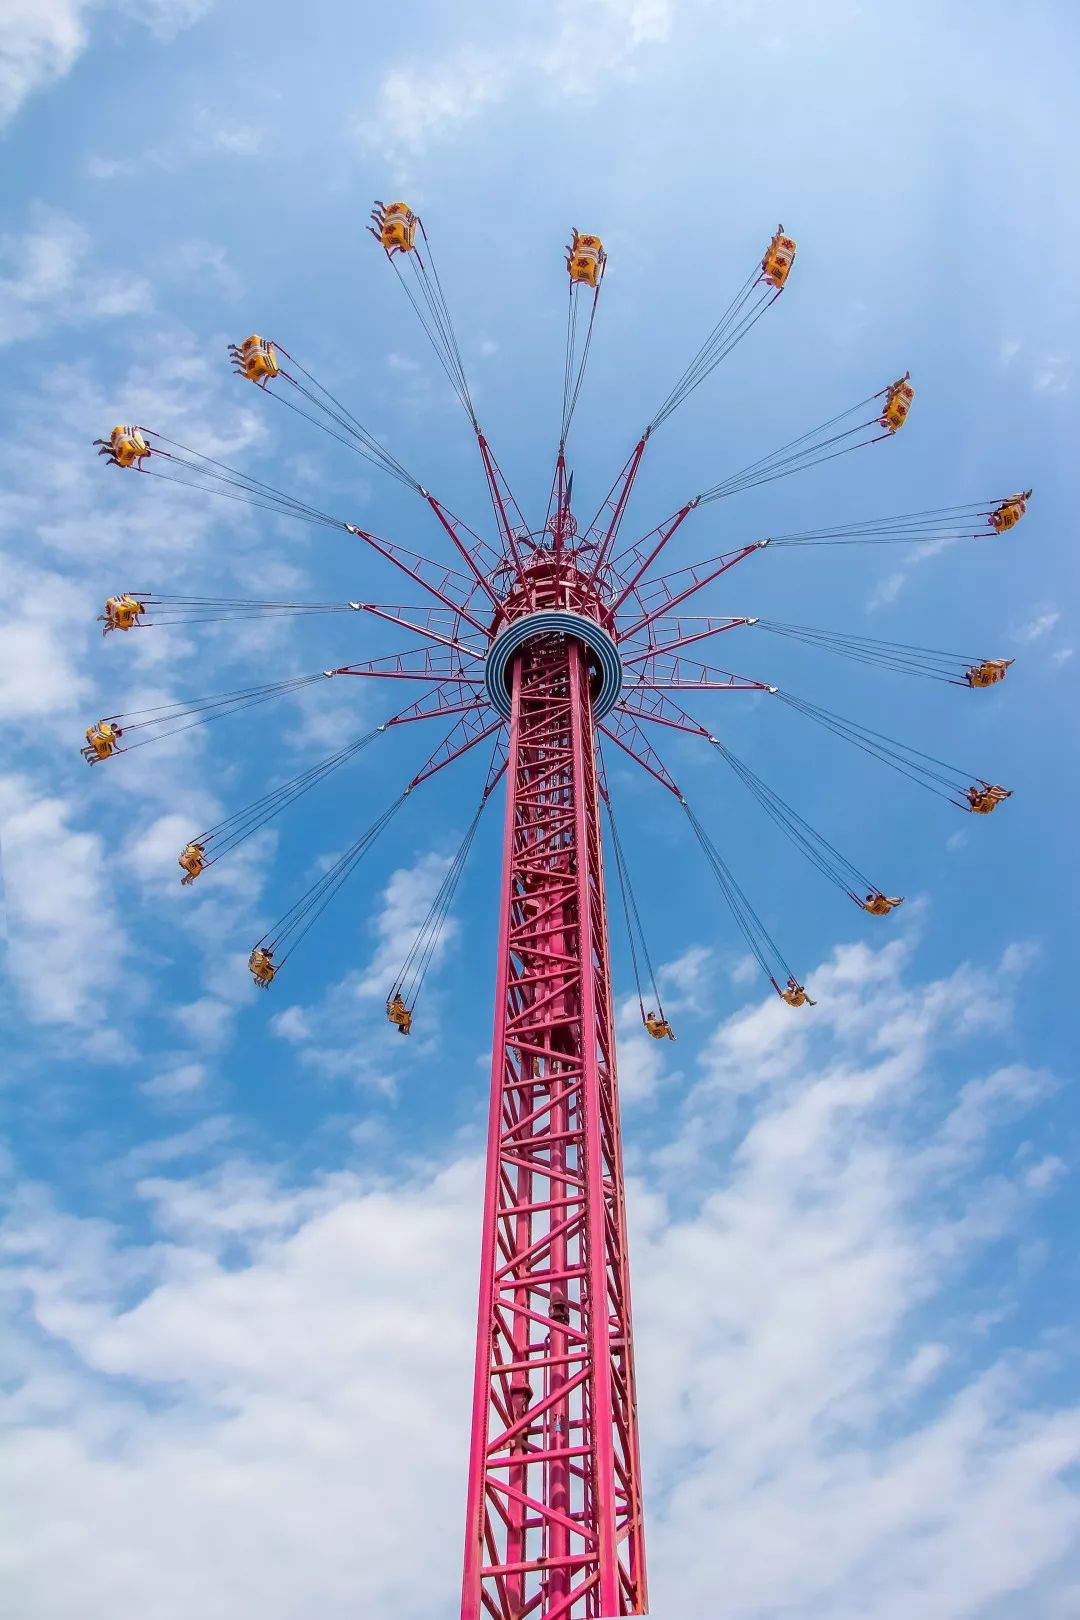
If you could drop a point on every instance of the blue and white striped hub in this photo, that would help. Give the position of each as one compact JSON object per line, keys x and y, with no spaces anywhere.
{"x":553,"y":622}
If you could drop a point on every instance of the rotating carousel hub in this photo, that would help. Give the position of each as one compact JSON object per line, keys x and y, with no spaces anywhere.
{"x":604,"y":661}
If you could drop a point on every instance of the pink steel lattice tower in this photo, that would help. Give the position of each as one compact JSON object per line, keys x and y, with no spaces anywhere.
{"x":554,"y":1500}
{"x":545,"y":641}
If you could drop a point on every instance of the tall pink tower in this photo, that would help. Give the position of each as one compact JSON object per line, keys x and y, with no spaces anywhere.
{"x":547,"y":641}
{"x":554,"y":1500}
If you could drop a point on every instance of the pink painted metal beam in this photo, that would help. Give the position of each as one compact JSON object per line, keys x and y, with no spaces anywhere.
{"x":415,"y":664}
{"x":675,"y":633}
{"x":511,"y":524}
{"x":637,"y":559}
{"x":445,"y":584}
{"x":647,"y":704}
{"x":622,"y":727}
{"x":442,"y":700}
{"x":427,"y":625}
{"x":554,"y":1499}
{"x":671,"y":590}
{"x":482,"y":561}
{"x":470,"y":729}
{"x":604,"y":528}
{"x":669,"y":672}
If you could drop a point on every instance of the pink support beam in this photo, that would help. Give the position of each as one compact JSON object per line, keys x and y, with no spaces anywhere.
{"x":445,"y":584}
{"x":604,"y":528}
{"x":554,"y":1501}
{"x":676,"y":633}
{"x":622,"y":727}
{"x":670,"y":591}
{"x":637,"y":559}
{"x":669,"y":672}
{"x":416,"y":664}
{"x":512,"y":527}
{"x":483,"y":562}
{"x":472,"y":728}
{"x":442,"y":700}
{"x":426,"y":625}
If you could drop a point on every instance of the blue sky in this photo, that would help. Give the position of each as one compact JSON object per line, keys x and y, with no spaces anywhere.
{"x":239,"y":1250}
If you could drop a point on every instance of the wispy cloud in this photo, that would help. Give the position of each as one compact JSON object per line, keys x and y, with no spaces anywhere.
{"x":828,"y":1405}
{"x":50,"y":280}
{"x":581,"y":44}
{"x":1048,"y":371}
{"x":1052,"y":374}
{"x":1039,"y":626}
{"x":179,"y":1081}
{"x":41,"y":40}
{"x":200,"y":134}
{"x":66,"y":946}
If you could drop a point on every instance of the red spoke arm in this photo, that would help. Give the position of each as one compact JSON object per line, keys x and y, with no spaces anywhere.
{"x":394,"y":616}
{"x":663,"y":711}
{"x":674,"y":589}
{"x":681,"y":636}
{"x":613,"y":508}
{"x":508,"y":517}
{"x":481,"y":558}
{"x":469,"y":730}
{"x":438,"y":581}
{"x":443,"y":700}
{"x":622,"y":727}
{"x":670,"y":672}
{"x":500,"y":758}
{"x":637,"y":559}
{"x":416,"y":664}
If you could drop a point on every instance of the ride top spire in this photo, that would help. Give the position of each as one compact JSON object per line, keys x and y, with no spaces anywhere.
{"x":547,"y":640}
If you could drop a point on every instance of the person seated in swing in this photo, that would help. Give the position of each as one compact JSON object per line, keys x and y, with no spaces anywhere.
{"x":399,"y":1014}
{"x":658,"y":1027}
{"x":795,"y":994}
{"x":879,"y":905}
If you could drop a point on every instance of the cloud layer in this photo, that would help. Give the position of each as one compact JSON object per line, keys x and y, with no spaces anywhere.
{"x":204,"y":1420}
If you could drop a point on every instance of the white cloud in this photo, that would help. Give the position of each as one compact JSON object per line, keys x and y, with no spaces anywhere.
{"x":1049,"y":372}
{"x":581,"y":44}
{"x":1062,"y":655}
{"x":44,"y":623}
{"x":66,"y":947}
{"x":225,"y":136}
{"x":406,"y":899}
{"x":206,"y":1022}
{"x":1049,"y":1170}
{"x":887,"y":590}
{"x":640,"y":1064}
{"x":40,"y":40}
{"x":688,"y":981}
{"x":347,"y":1037}
{"x":50,"y":281}
{"x":1038,"y":627}
{"x":278,"y":1363}
{"x":1052,"y":375}
{"x":179,"y":1081}
{"x":200,"y":134}
{"x":292,"y":1024}
{"x":188,"y":1144}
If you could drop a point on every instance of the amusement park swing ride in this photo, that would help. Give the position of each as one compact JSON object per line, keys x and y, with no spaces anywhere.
{"x":552,"y":643}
